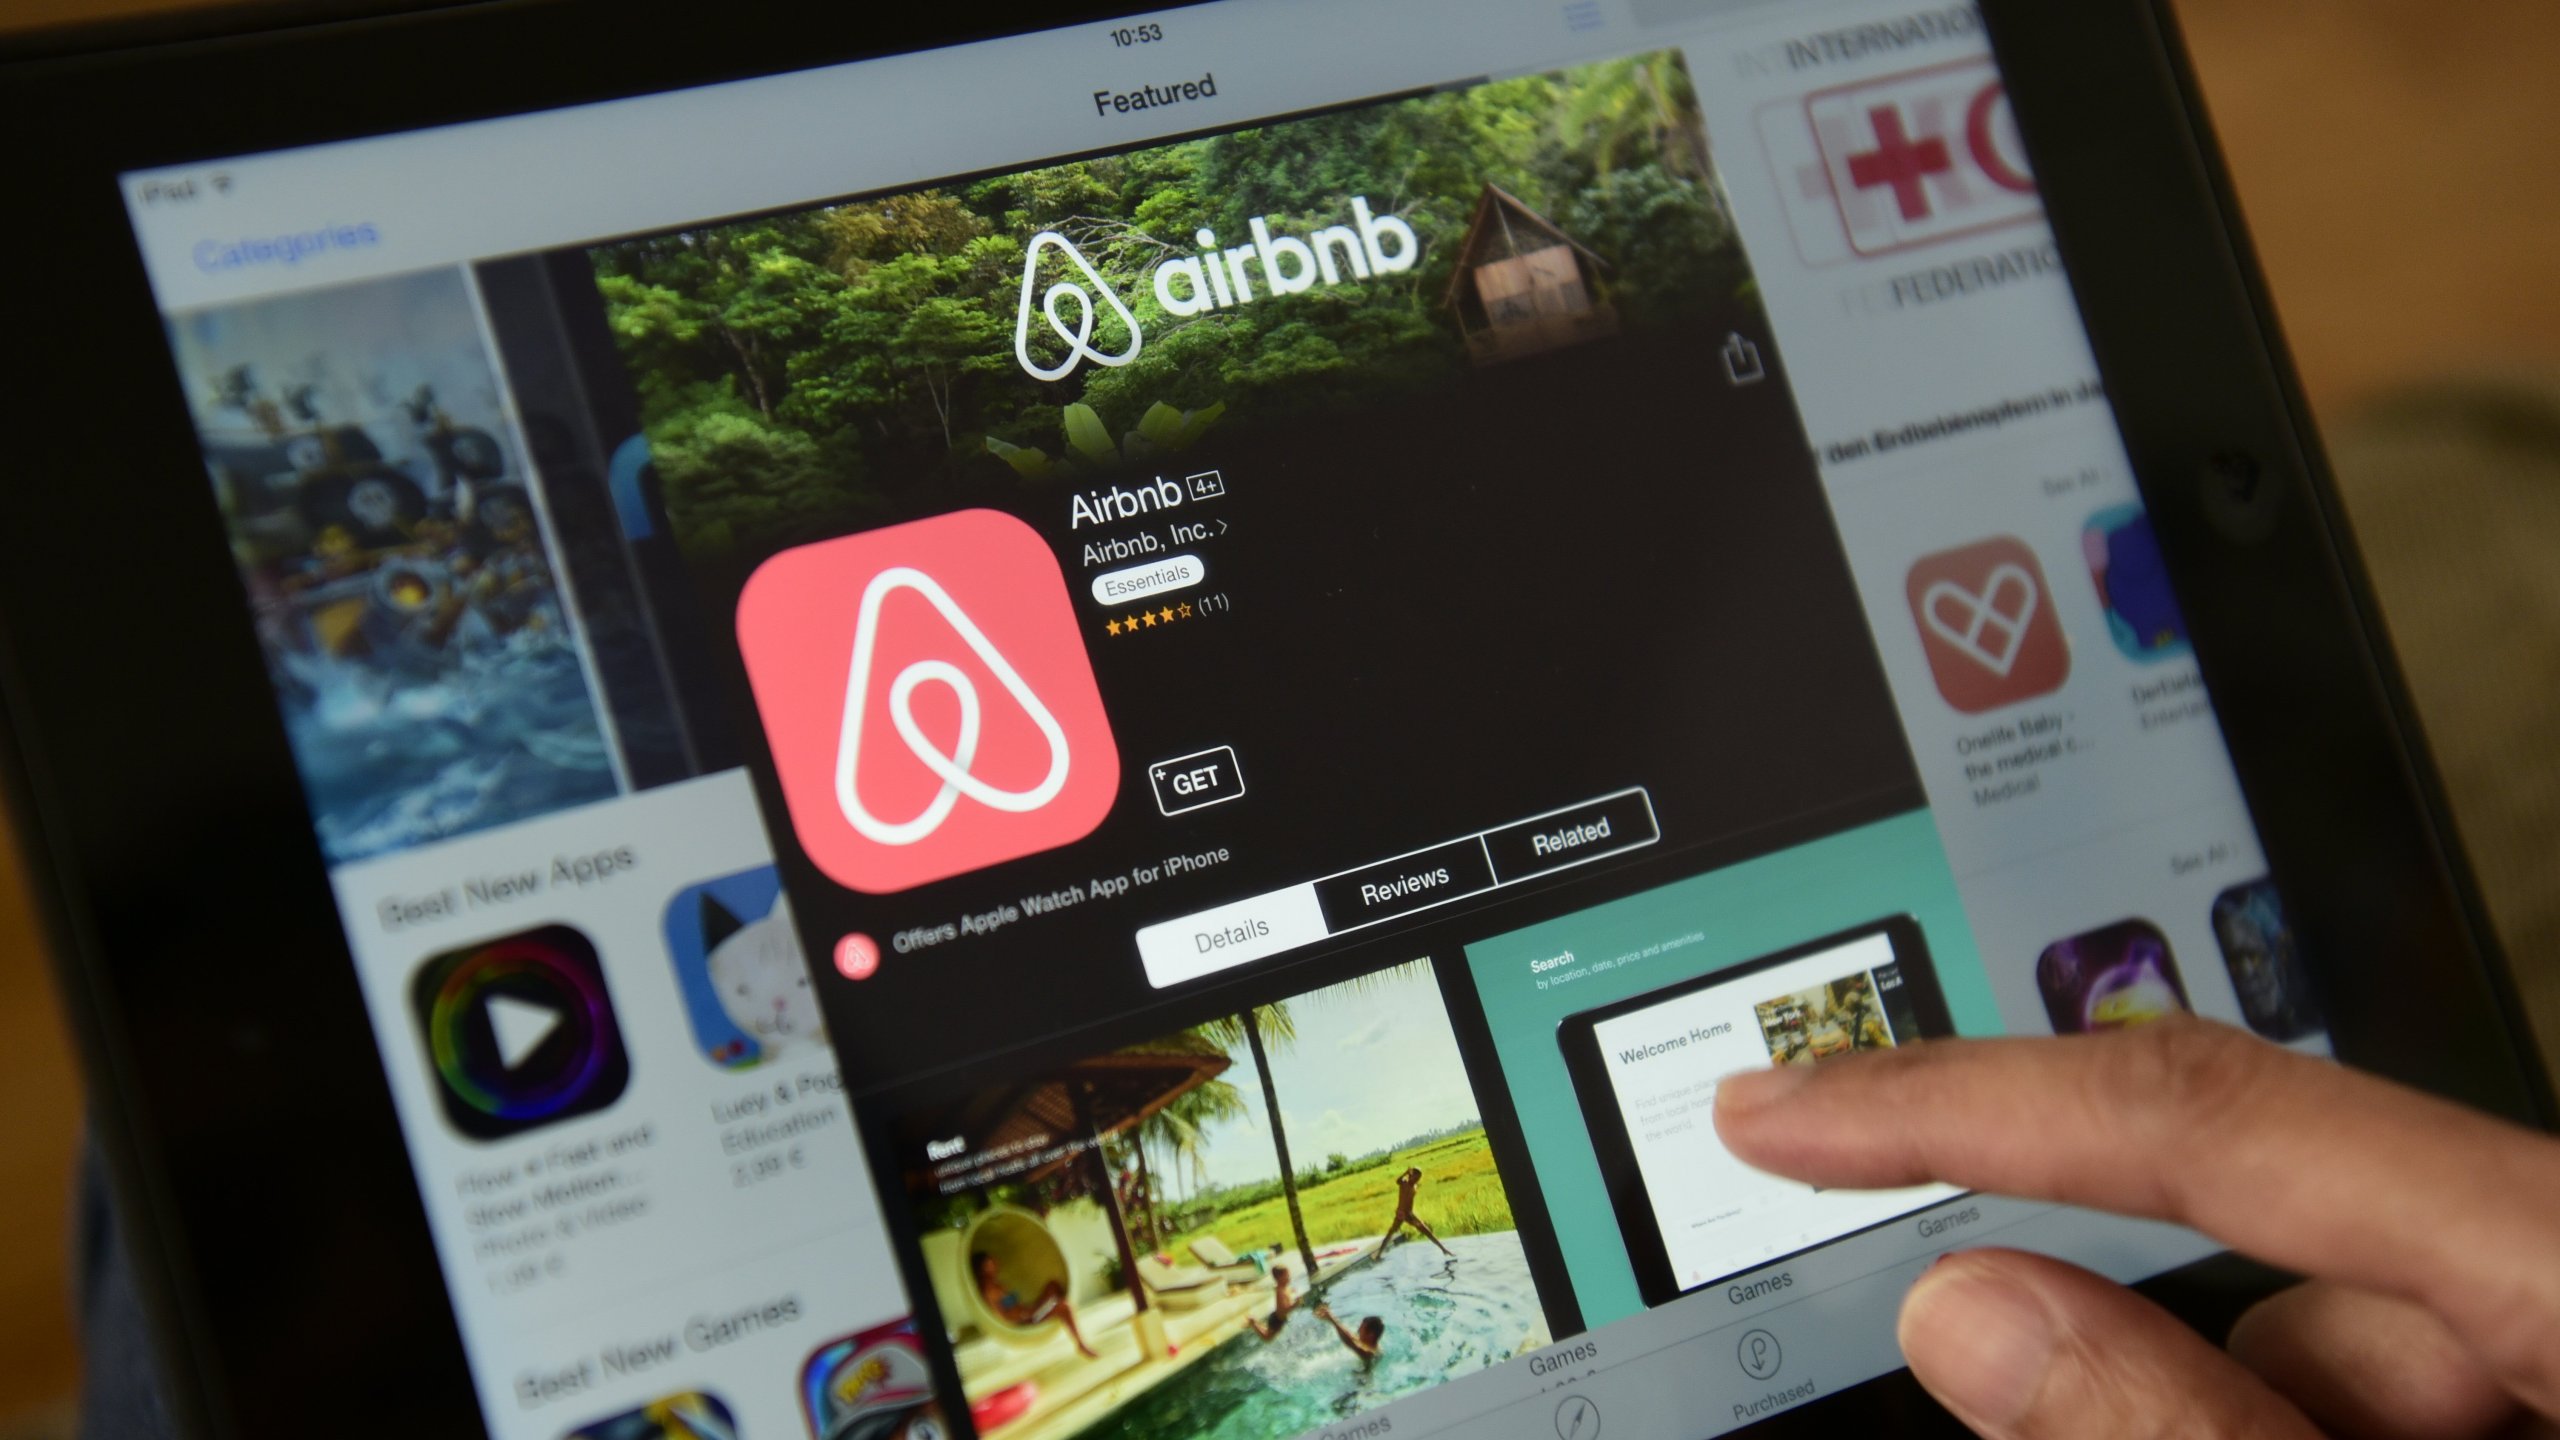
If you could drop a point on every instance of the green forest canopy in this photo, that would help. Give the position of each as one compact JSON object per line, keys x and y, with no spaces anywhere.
{"x":799,"y":374}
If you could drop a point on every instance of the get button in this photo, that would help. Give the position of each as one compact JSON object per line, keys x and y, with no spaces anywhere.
{"x":1196,"y":781}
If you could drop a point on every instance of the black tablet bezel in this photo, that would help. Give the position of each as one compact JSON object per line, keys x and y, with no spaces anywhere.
{"x":234,"y":1080}
{"x":1630,"y":1199}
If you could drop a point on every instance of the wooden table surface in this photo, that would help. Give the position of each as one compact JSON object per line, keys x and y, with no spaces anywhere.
{"x":2389,"y":155}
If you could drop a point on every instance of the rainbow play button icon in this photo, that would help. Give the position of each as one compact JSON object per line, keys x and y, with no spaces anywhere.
{"x":520,"y":1032}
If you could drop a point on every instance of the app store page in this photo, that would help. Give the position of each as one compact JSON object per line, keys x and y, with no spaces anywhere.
{"x":1145,"y":795}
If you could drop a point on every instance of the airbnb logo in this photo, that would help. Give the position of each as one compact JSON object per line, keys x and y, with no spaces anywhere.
{"x":1077,"y":334}
{"x":1899,"y":162}
{"x":951,"y":767}
{"x":1219,"y":277}
{"x":927,"y":698}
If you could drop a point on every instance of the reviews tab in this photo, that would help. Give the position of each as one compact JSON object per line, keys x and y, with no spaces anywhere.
{"x":1400,"y":887}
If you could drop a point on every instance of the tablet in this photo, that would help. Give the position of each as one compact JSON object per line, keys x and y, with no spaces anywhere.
{"x":1002,"y":723}
{"x":1646,"y":1070}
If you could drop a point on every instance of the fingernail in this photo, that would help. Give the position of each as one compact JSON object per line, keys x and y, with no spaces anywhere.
{"x":1753,"y":1089}
{"x":1981,"y":1343}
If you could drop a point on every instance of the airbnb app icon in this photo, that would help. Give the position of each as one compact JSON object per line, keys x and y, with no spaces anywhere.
{"x":928,"y":700}
{"x":1899,"y":162}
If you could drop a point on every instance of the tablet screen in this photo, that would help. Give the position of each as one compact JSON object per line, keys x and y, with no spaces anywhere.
{"x":1647,"y":1070}
{"x":1107,"y":734}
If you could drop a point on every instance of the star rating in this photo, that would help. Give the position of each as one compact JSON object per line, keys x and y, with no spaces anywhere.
{"x":1136,"y":621}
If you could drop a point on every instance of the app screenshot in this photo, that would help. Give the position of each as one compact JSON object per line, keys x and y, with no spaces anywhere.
{"x":928,"y":699}
{"x":520,"y":1032}
{"x":1987,"y":622}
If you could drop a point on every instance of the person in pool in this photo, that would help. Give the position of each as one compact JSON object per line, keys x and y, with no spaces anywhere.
{"x":1049,"y":1304}
{"x":1364,"y":1343}
{"x":1406,"y":1184}
{"x":1281,"y":1305}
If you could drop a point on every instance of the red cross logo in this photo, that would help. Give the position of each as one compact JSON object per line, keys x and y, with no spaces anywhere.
{"x":1900,"y":162}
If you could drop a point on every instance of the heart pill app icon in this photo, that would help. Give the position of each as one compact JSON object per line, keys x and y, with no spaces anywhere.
{"x":1987,"y":625}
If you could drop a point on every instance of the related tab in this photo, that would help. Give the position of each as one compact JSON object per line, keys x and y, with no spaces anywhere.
{"x":1401,"y":886}
{"x":1565,"y":838}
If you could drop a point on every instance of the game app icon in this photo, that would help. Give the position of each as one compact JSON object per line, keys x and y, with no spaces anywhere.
{"x":928,"y":699}
{"x":739,"y":967}
{"x":2133,"y":584}
{"x":520,"y":1032}
{"x":692,"y":1415}
{"x":2266,"y":967}
{"x":2109,"y":979}
{"x":1987,"y":622}
{"x":877,"y":1386}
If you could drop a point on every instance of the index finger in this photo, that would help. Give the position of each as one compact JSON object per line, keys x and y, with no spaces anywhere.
{"x":2303,"y":1164}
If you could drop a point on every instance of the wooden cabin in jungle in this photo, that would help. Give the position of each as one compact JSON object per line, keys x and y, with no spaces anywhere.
{"x":1523,"y":286}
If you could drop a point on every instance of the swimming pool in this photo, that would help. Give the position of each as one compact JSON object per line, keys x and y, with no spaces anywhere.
{"x":1445,"y":1318}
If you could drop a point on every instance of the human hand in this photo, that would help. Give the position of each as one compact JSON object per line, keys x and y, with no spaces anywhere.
{"x":2431,"y":1233}
{"x":1324,"y":1312}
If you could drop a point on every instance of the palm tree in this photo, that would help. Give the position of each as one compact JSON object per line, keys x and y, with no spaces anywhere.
{"x":1251,"y":1029}
{"x":1267,"y":1025}
{"x":1176,"y":1136}
{"x":1176,"y":1127}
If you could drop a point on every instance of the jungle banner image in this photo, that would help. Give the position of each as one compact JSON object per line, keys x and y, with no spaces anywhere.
{"x":805,"y":375}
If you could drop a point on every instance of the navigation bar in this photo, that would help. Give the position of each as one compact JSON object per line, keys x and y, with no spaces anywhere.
{"x":1243,"y":931}
{"x":384,"y":205}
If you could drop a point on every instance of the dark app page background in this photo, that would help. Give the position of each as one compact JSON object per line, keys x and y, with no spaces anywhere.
{"x":1602,"y":568}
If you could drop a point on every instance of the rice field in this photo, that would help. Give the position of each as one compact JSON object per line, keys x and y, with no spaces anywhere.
{"x":1461,"y":1194}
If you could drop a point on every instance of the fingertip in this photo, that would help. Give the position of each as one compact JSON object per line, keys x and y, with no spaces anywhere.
{"x":1752,"y":1091}
{"x":1979,"y":1339}
{"x":1751,"y":1112}
{"x":2022,"y":1346}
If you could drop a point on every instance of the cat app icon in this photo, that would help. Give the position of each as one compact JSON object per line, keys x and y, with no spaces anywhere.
{"x":738,"y":964}
{"x":928,"y":700}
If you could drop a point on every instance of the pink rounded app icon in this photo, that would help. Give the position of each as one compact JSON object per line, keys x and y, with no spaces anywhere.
{"x":857,"y":956}
{"x":928,"y":700}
